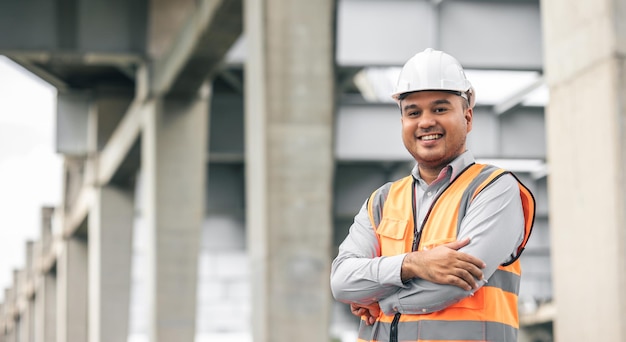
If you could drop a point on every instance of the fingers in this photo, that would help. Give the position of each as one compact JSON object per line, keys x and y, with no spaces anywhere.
{"x":467,"y":270}
{"x":456,"y":245}
{"x":465,"y":280}
{"x":358,"y":310}
{"x":474,"y":261}
{"x":444,"y":264}
{"x":369,"y":313}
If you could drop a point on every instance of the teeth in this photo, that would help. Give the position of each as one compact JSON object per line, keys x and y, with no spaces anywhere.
{"x":431,"y":137}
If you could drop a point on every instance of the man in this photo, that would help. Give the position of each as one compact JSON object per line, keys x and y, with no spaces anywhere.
{"x":434,"y":256}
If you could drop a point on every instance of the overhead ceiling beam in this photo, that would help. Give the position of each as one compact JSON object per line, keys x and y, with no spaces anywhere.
{"x":514,"y":100}
{"x":233,"y":80}
{"x":199,"y":47}
{"x":53,"y":80}
{"x":481,"y":34}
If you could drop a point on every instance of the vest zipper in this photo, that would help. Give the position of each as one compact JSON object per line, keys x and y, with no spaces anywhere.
{"x":416,"y":233}
{"x":393,"y":332}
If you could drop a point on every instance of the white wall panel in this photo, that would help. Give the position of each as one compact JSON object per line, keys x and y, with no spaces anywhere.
{"x":71,"y":123}
{"x":383,"y":32}
{"x":484,"y":138}
{"x":366,"y":132}
{"x":523,"y":133}
{"x":481,"y":34}
{"x":492,"y":34}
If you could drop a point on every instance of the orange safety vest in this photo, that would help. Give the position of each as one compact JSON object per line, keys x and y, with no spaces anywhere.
{"x":491,"y":314}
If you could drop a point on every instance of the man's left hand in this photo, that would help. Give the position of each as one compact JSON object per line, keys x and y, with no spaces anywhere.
{"x":368,"y":312}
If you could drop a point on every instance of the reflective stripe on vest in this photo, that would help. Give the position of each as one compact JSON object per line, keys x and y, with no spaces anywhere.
{"x":491,"y":314}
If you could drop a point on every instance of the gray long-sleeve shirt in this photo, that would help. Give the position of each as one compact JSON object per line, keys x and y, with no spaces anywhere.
{"x":494,"y":222}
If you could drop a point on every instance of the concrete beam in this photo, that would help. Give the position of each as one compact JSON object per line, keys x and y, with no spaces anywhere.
{"x":78,"y":214}
{"x":199,"y":48}
{"x":77,"y":27}
{"x":103,"y":167}
{"x":60,"y":85}
{"x":120,"y":143}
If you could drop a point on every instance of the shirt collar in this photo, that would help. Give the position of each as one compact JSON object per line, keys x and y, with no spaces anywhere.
{"x":456,"y":166}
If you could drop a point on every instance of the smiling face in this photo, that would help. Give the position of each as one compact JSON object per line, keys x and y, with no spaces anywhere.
{"x":434,"y":128}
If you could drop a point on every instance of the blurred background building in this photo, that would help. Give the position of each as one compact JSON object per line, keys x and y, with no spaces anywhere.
{"x":215,"y":154}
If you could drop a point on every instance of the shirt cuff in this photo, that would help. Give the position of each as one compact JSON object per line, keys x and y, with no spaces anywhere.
{"x":390,"y":269}
{"x":389,"y":305}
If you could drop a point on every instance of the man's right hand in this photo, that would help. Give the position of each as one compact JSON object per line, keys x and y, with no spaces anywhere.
{"x":444,"y":265}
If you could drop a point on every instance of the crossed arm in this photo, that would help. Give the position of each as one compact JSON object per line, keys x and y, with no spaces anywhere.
{"x":428,"y":281}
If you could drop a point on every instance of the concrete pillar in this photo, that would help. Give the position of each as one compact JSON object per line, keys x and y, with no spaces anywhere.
{"x":72,"y":279}
{"x":45,"y":300}
{"x":28,"y":313}
{"x":46,"y":230}
{"x":8,"y":307}
{"x":9,"y":313}
{"x":585,"y":45}
{"x":174,"y":148}
{"x":29,"y":335}
{"x":45,"y":309}
{"x":20,"y":320}
{"x":110,"y":255}
{"x":3,"y":330}
{"x":25,"y":319}
{"x":289,"y":94}
{"x":2,"y":322}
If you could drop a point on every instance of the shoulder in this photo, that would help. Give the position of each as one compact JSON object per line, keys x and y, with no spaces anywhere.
{"x":502,"y":182}
{"x":377,"y":199}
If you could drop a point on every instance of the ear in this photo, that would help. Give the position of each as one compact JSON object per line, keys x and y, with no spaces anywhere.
{"x":469,"y":115}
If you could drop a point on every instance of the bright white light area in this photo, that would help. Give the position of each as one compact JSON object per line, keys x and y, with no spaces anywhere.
{"x":30,"y":170}
{"x":492,"y":87}
{"x":537,"y":168}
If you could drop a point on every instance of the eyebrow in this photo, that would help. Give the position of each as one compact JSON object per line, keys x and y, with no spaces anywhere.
{"x":433,"y":103}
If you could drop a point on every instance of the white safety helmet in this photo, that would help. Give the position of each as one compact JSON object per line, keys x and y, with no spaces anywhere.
{"x":434,"y":70}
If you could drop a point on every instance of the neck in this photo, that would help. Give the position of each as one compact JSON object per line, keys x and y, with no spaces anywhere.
{"x":429,"y":174}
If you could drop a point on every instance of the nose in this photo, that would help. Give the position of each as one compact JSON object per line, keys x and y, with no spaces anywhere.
{"x":427,"y":121}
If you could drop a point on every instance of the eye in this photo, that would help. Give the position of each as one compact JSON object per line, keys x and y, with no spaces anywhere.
{"x":440,"y":110}
{"x":413,"y":113}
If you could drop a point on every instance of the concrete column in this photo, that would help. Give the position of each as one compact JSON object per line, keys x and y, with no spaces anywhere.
{"x":47,"y":214}
{"x":29,"y":325}
{"x":585,"y":45}
{"x":174,"y":147}
{"x":20,"y":320}
{"x":3,"y":335}
{"x":72,"y":279}
{"x":110,"y":255}
{"x":289,"y":94}
{"x":45,"y":309}
{"x":2,"y":322}
{"x":45,"y":300}
{"x":25,"y":317}
{"x":28,"y":313}
{"x":9,"y":307}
